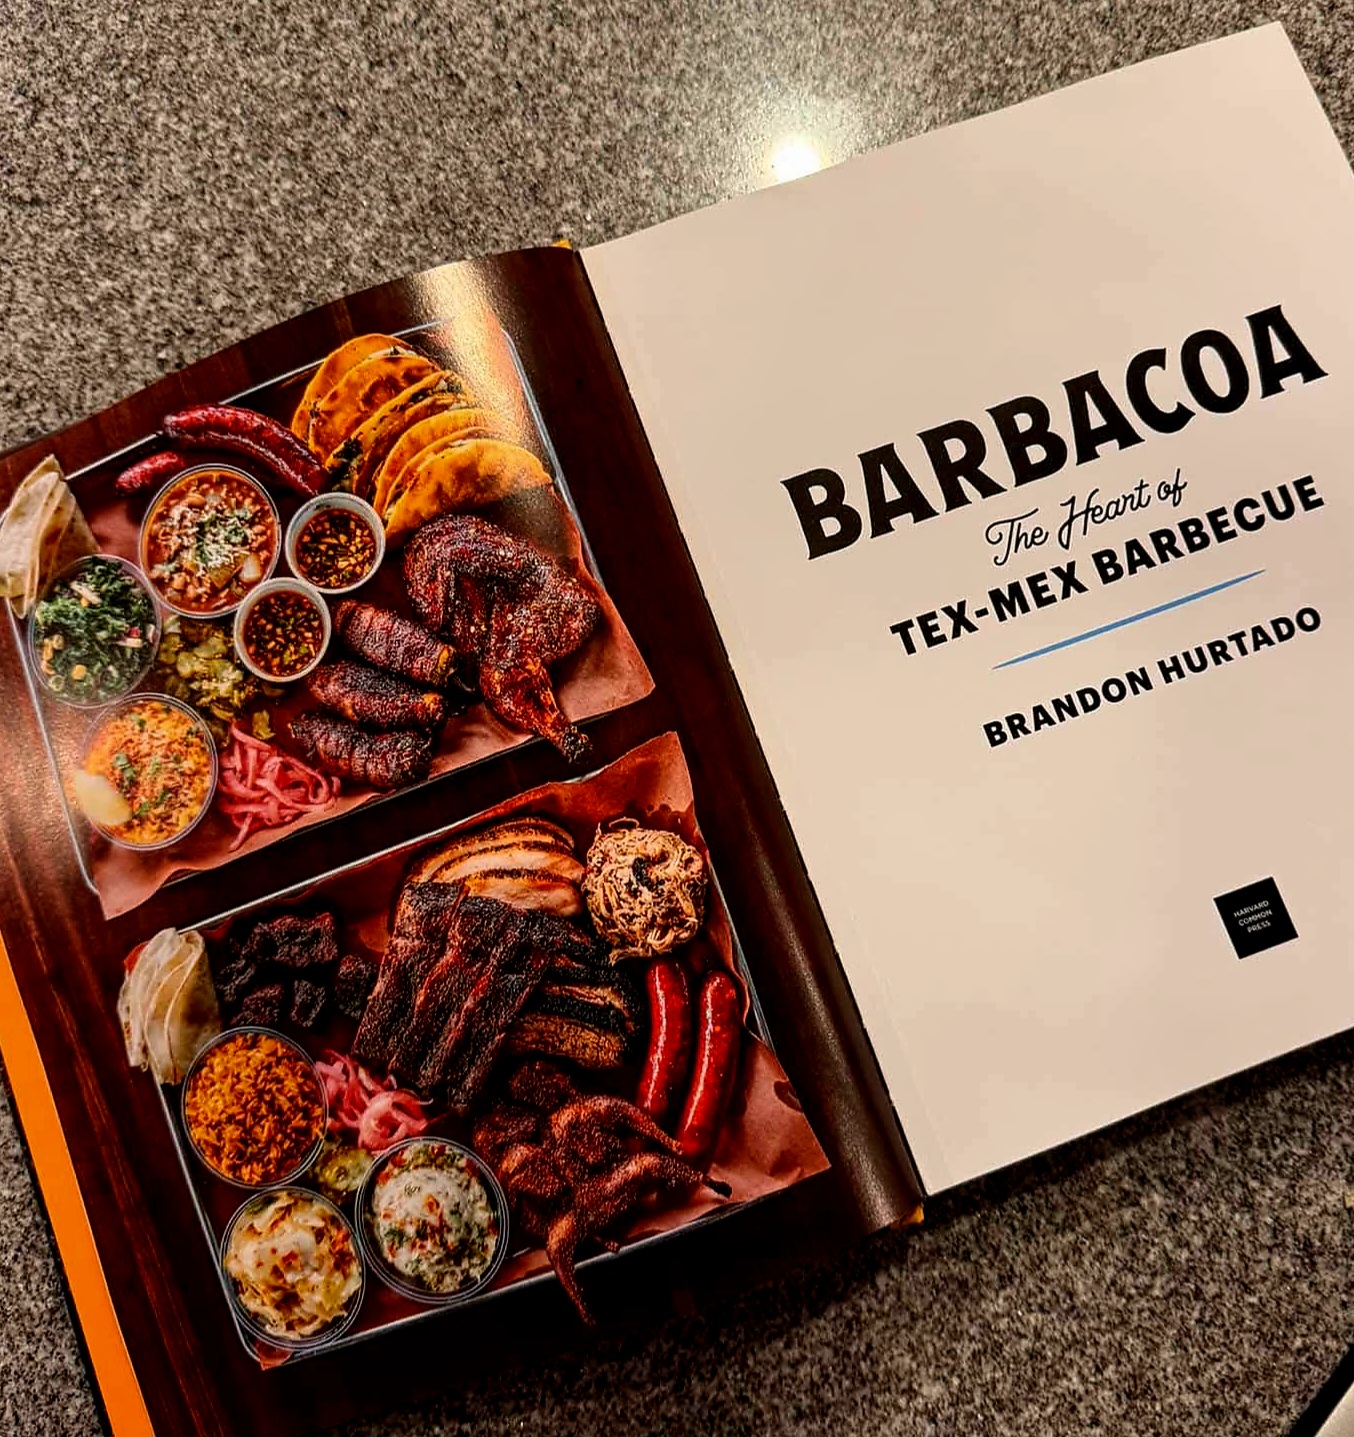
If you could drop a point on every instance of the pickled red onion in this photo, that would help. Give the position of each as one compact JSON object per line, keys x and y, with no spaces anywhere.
{"x":376,"y":1110}
{"x":260,"y":786}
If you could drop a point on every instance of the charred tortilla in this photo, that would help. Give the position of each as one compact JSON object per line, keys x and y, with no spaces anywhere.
{"x":465,"y":474}
{"x":367,"y":386}
{"x":336,"y":364}
{"x":354,"y":464}
{"x":463,"y":421}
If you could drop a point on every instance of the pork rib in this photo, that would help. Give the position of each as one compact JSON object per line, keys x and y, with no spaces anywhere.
{"x":459,"y":1062}
{"x":423,"y":918}
{"x":477,"y":929}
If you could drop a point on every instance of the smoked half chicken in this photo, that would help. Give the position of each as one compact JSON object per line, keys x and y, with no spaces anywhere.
{"x":576,"y":1166}
{"x":508,"y":608}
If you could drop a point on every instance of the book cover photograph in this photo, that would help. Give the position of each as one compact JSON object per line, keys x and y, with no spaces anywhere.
{"x":544,"y":793}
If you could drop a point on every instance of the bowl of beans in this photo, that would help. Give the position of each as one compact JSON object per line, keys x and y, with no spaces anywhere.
{"x":254,"y":1108}
{"x":209,"y":538}
{"x":335,"y":542}
{"x":282,"y":630}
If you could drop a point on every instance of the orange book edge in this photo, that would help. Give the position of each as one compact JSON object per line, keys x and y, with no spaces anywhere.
{"x":114,"y":1375}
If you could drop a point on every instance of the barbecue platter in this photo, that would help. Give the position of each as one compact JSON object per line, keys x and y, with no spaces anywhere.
{"x":357,"y":579}
{"x":520,"y":1045}
{"x":504,"y":1051}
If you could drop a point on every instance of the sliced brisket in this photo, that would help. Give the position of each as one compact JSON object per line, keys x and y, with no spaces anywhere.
{"x":423,"y":917}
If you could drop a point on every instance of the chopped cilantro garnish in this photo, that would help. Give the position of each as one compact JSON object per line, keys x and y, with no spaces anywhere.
{"x":127,"y":774}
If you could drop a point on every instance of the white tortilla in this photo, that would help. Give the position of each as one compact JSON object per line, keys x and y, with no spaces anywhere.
{"x":136,"y":987}
{"x":156,"y":1017}
{"x":193,"y":1018}
{"x":42,"y":531}
{"x":21,"y":534}
{"x":167,"y":1006}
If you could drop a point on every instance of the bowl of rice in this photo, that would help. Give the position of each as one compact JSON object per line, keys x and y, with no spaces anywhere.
{"x":254,"y":1108}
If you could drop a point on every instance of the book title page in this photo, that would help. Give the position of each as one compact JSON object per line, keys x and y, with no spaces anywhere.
{"x":1016,"y":464}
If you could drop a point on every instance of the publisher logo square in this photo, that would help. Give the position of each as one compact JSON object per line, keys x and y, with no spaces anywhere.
{"x":1255,"y":918}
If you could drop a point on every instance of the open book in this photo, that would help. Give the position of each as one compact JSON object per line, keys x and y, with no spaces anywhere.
{"x":552,"y":788}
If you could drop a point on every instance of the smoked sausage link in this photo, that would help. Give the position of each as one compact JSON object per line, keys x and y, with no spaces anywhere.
{"x":149,"y":472}
{"x":245,"y":431}
{"x":660,"y":1084}
{"x":719,"y":1030}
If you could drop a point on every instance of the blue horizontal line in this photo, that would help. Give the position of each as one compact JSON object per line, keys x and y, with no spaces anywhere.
{"x":1131,"y":619}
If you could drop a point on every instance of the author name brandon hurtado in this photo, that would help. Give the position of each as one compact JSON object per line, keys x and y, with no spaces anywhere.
{"x":1173,"y":669}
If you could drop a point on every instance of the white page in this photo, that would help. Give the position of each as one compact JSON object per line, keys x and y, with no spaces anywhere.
{"x":1030,"y":929}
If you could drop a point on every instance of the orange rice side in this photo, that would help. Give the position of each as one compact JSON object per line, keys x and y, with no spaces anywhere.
{"x":254,"y":1109}
{"x":159,"y":759}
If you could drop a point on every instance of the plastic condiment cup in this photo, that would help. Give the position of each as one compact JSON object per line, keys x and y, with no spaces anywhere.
{"x":251,"y":1324}
{"x":72,"y":571}
{"x":163,"y":593}
{"x":306,"y":1162}
{"x":147,"y":698}
{"x":282,"y":586}
{"x":371,"y":1249}
{"x":353,"y":505}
